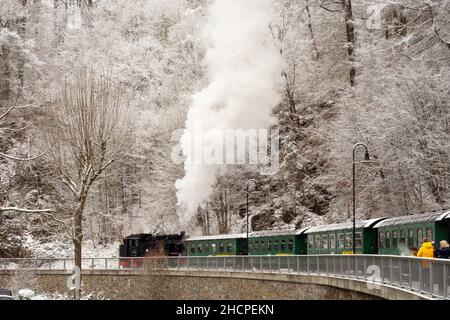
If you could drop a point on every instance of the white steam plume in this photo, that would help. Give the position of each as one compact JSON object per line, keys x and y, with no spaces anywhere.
{"x":244,"y":69}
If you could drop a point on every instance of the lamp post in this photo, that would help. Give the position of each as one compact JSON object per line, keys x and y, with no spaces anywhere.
{"x":256,"y":188}
{"x":366,"y":158}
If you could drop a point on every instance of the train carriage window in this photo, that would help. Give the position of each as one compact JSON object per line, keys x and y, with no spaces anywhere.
{"x":341,"y":241}
{"x":394,"y":239}
{"x":269,"y":245}
{"x":348,"y":240}
{"x":332,"y":238}
{"x":199,"y":248}
{"x":275,"y":245}
{"x":290,"y":245}
{"x":283,"y":245}
{"x":387,"y":242}
{"x":430,"y":233}
{"x":358,"y":240}
{"x":402,"y":237}
{"x":192,"y":248}
{"x":207,"y":247}
{"x":263,"y":246}
{"x":222,"y":247}
{"x":324,"y":244}
{"x":410,"y":238}
{"x":229,"y":247}
{"x":316,"y":241}
{"x":419,"y":236}
{"x":250,"y":245}
{"x":381,"y":239}
{"x":256,"y":246}
{"x":310,"y":242}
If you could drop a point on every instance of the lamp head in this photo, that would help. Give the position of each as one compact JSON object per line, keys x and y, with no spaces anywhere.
{"x":367,"y":156}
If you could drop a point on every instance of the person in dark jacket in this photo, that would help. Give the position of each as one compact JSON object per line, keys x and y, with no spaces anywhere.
{"x":444,"y":251}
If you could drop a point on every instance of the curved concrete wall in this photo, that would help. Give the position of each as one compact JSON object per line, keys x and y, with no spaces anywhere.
{"x":207,"y":285}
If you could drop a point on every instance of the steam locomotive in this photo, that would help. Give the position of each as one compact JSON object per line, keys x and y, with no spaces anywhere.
{"x":147,"y":245}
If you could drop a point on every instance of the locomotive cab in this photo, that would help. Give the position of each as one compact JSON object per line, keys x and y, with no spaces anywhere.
{"x":144,"y":245}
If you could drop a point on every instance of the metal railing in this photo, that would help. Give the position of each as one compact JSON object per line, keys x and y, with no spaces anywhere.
{"x":425,"y":276}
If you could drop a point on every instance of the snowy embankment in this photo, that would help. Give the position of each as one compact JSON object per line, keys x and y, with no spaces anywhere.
{"x":56,"y":248}
{"x":27,"y":294}
{"x":57,"y":254}
{"x":23,"y":286}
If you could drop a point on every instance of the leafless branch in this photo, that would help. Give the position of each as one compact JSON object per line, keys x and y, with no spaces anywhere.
{"x":21,"y":159}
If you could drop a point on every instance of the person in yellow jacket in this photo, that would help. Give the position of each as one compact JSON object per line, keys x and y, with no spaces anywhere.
{"x":426,"y":251}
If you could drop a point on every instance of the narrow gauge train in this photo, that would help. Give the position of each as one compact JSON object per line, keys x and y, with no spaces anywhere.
{"x":392,"y":236}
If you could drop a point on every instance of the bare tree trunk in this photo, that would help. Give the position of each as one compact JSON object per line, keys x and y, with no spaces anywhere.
{"x":58,"y":21}
{"x":311,"y":33}
{"x":351,"y":42}
{"x":78,"y":234}
{"x":5,"y":73}
{"x":21,"y":59}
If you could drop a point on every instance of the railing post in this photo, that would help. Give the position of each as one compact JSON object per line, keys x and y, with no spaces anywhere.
{"x":334,"y":264}
{"x":64,"y":264}
{"x":355,"y":266}
{"x":307,"y":264}
{"x":431,"y":278}
{"x":279,"y":264}
{"x":270,"y":264}
{"x":318,"y":265}
{"x":298,"y":264}
{"x":289,"y":264}
{"x":373,"y":261}
{"x":420,"y":276}
{"x":410,"y":274}
{"x":390,"y":270}
{"x":365,"y":268}
{"x":401,"y":272}
{"x":445,"y":280}
{"x":326,"y":265}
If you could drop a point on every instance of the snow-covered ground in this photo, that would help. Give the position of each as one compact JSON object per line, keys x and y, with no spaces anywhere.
{"x":56,"y":248}
{"x":28,"y":294}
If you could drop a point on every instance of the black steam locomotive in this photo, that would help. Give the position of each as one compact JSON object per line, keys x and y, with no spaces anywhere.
{"x":147,"y":245}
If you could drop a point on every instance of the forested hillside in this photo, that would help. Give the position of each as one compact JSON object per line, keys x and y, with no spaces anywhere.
{"x":352,"y":71}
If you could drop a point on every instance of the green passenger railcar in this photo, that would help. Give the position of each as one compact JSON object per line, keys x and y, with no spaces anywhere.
{"x":396,"y":236}
{"x":219,"y":245}
{"x":338,"y":238}
{"x":277,"y":242}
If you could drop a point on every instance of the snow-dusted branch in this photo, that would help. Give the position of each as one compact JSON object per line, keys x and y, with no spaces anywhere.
{"x":7,"y":156}
{"x":43,"y":212}
{"x":23,"y":210}
{"x":7,"y":112}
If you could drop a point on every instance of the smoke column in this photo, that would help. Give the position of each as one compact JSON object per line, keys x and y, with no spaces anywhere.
{"x":244,"y":69}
